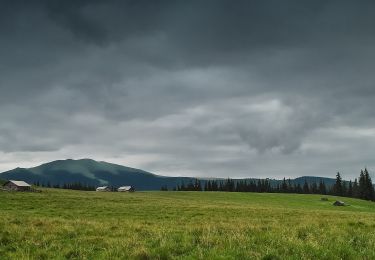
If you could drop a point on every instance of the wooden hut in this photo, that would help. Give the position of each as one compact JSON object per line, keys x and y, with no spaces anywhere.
{"x":103,"y":188}
{"x":126,"y":189}
{"x":17,"y":186}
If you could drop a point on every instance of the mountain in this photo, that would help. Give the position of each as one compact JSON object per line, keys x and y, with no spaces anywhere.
{"x":314,"y":179}
{"x":94,"y":173}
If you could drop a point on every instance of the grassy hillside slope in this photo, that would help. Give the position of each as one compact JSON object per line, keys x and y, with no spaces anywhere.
{"x":144,"y":225}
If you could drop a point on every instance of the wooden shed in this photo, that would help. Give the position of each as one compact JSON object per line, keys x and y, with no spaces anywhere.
{"x":103,"y":188}
{"x":17,"y":186}
{"x":126,"y":189}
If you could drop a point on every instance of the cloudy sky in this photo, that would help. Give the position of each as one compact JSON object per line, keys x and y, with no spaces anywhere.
{"x":252,"y":88}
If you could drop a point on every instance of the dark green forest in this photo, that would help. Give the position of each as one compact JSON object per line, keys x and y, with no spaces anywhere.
{"x":361,"y":187}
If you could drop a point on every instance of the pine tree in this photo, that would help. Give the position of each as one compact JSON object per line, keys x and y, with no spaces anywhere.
{"x":220,"y":186}
{"x":337,"y":188}
{"x":350,"y":189}
{"x":209,"y":186}
{"x":355,"y":189}
{"x":290,"y":187}
{"x":197,"y":185}
{"x":362,"y":186}
{"x":344,"y":190}
{"x":306,"y":189}
{"x":322,"y":188}
{"x":284,"y":186}
{"x":314,"y":188}
{"x":369,"y":186}
{"x":182,"y":187}
{"x":299,"y":188}
{"x":215,"y":186}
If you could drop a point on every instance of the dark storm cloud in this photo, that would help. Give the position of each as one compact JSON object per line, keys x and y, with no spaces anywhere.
{"x":189,"y":87}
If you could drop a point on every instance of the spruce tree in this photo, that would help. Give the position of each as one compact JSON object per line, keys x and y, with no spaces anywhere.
{"x":362,"y":186}
{"x":369,"y":186}
{"x":355,"y":189}
{"x":214,"y":186}
{"x":314,"y":188}
{"x":344,"y":189}
{"x":322,"y":188}
{"x":337,"y":188}
{"x":306,"y":189}
{"x":290,"y":187}
{"x":209,"y":186}
{"x":350,"y":189}
{"x":299,"y":188}
{"x":284,"y":186}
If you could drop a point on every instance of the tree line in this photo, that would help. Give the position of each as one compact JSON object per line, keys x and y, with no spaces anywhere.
{"x":70,"y":186}
{"x":361,"y":187}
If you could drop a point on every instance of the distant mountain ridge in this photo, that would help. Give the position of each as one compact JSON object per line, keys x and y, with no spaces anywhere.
{"x":95,"y":173}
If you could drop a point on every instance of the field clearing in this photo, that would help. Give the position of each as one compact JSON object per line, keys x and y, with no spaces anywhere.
{"x":59,"y":224}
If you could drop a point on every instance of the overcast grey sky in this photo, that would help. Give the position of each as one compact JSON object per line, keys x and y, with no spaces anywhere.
{"x":262,"y":88}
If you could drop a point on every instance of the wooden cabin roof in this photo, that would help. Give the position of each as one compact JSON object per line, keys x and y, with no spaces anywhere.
{"x":18,"y":183}
{"x":125,"y":188}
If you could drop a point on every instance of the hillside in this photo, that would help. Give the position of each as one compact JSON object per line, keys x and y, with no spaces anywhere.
{"x":94,"y":173}
{"x":183,"y":225}
{"x":314,"y":179}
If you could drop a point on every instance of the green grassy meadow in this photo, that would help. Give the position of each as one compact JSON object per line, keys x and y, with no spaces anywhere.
{"x":64,"y":224}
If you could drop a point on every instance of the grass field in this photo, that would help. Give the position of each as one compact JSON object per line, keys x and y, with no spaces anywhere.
{"x":59,"y":224}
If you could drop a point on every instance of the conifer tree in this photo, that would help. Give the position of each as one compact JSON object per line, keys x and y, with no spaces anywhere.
{"x":314,"y":188}
{"x":369,"y":186}
{"x":350,"y":189}
{"x":215,"y":186}
{"x":290,"y":187}
{"x":355,"y":189}
{"x":344,"y":189}
{"x":284,"y":186}
{"x":322,"y":188}
{"x":362,"y":186}
{"x":337,"y":188}
{"x":306,"y":189}
{"x":299,"y":188}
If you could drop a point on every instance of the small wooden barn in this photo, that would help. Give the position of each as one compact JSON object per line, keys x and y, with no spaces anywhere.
{"x":126,"y":189}
{"x":17,"y":186}
{"x":103,"y":188}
